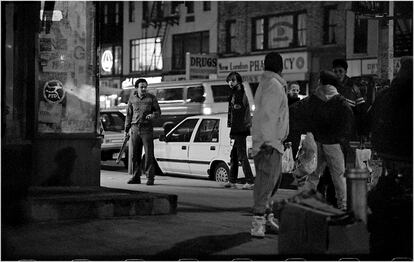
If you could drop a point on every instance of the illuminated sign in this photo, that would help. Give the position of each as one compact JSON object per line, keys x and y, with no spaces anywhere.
{"x":254,"y":65}
{"x":107,"y":61}
{"x":200,"y":65}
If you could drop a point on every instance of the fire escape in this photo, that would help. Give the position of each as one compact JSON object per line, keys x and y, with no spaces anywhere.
{"x":160,"y":18}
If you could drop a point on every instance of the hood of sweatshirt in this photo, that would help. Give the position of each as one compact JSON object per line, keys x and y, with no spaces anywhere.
{"x":326,"y":92}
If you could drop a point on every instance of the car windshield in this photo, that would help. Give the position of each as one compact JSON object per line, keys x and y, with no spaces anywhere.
{"x":112,"y":121}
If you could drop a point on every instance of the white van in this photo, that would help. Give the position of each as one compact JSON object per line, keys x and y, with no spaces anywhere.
{"x":180,"y":99}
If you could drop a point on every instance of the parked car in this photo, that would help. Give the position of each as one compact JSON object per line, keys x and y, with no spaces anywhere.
{"x":200,"y":146}
{"x":180,"y":99}
{"x":112,"y":123}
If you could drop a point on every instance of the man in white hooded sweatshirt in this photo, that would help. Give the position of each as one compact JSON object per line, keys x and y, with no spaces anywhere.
{"x":327,"y":115}
{"x":270,"y":127}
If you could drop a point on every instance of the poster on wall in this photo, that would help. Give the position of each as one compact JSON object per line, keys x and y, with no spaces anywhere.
{"x":67,"y":89}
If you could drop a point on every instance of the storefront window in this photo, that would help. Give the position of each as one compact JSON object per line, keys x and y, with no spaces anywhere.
{"x":67,"y":94}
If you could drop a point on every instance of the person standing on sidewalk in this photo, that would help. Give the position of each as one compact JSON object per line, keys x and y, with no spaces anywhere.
{"x":270,"y":127}
{"x":348,"y":89}
{"x":142,"y":109}
{"x":330,"y":119}
{"x":293,"y":93}
{"x":239,"y":120}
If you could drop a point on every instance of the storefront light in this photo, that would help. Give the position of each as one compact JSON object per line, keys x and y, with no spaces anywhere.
{"x":56,"y":15}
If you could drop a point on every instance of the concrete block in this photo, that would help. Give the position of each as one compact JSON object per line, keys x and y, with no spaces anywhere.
{"x":42,"y":212}
{"x":105,"y":209}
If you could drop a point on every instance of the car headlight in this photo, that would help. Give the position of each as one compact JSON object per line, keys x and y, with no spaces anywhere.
{"x":206,"y":110}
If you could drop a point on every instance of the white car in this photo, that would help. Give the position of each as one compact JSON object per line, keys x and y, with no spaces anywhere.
{"x":200,"y":146}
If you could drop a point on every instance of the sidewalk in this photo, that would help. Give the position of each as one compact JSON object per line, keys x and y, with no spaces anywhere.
{"x":201,"y":233}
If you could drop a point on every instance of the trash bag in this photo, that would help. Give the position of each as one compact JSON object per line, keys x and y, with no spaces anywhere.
{"x":288,"y":163}
{"x":306,"y":160}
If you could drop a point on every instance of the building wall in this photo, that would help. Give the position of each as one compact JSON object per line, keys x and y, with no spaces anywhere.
{"x":204,"y":21}
{"x":321,"y":55}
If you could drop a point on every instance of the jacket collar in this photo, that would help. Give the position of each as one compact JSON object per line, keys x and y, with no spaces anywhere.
{"x":270,"y":74}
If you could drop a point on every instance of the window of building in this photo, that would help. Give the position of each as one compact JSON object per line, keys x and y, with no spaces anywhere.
{"x":131,"y":11}
{"x":361,"y":36}
{"x":230,"y":36}
{"x":146,"y":55}
{"x":190,"y":7}
{"x":116,"y":13}
{"x":105,"y":14}
{"x":175,"y":7}
{"x":194,"y":43}
{"x":329,"y":25}
{"x":117,"y":60}
{"x":301,"y":25}
{"x":111,"y":13}
{"x":280,"y":31}
{"x":145,"y":11}
{"x":206,"y":5}
{"x":259,"y":34}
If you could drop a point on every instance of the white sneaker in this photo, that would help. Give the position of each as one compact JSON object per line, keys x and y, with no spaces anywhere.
{"x":248,"y":186}
{"x":272,"y":224}
{"x":258,"y":226}
{"x":230,"y":185}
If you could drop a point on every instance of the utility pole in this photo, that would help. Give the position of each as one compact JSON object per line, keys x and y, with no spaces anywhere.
{"x":386,"y":44}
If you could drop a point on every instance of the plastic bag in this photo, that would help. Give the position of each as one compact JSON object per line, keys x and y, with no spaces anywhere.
{"x":362,"y":158}
{"x":306,"y":160}
{"x":288,"y":163}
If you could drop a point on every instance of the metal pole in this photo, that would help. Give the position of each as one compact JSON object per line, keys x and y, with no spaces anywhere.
{"x":356,"y":184}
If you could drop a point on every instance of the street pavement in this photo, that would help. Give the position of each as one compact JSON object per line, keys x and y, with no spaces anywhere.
{"x":212,"y":223}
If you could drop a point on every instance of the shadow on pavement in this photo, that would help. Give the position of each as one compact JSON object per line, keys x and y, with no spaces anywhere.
{"x":203,"y":247}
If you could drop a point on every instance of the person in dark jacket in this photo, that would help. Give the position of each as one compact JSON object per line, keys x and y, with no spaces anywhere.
{"x":239,"y":120}
{"x":391,"y":199}
{"x":293,"y":93}
{"x":142,"y":108}
{"x":352,"y":94}
{"x":328,"y":116}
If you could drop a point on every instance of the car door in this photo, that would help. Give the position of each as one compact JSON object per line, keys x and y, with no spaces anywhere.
{"x":205,"y":146}
{"x":176,"y":147}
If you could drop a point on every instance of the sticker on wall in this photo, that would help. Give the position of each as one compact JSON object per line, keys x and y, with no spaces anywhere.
{"x":53,"y":91}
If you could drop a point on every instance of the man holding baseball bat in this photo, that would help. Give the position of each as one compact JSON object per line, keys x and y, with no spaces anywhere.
{"x":142,"y":109}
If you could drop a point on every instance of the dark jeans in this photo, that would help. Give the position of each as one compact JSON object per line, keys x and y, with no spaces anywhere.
{"x":138,"y":141}
{"x":238,"y":153}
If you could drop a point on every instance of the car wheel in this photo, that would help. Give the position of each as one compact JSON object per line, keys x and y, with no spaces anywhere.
{"x":221,"y":172}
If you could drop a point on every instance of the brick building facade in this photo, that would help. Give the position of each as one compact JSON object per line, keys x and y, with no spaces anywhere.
{"x":322,"y":25}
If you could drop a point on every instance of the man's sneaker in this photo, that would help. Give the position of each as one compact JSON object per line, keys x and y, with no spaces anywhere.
{"x":228,"y":184}
{"x":247,"y":186}
{"x":150,"y":182}
{"x":258,"y":226}
{"x":134,"y":181}
{"x":272,"y":224}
